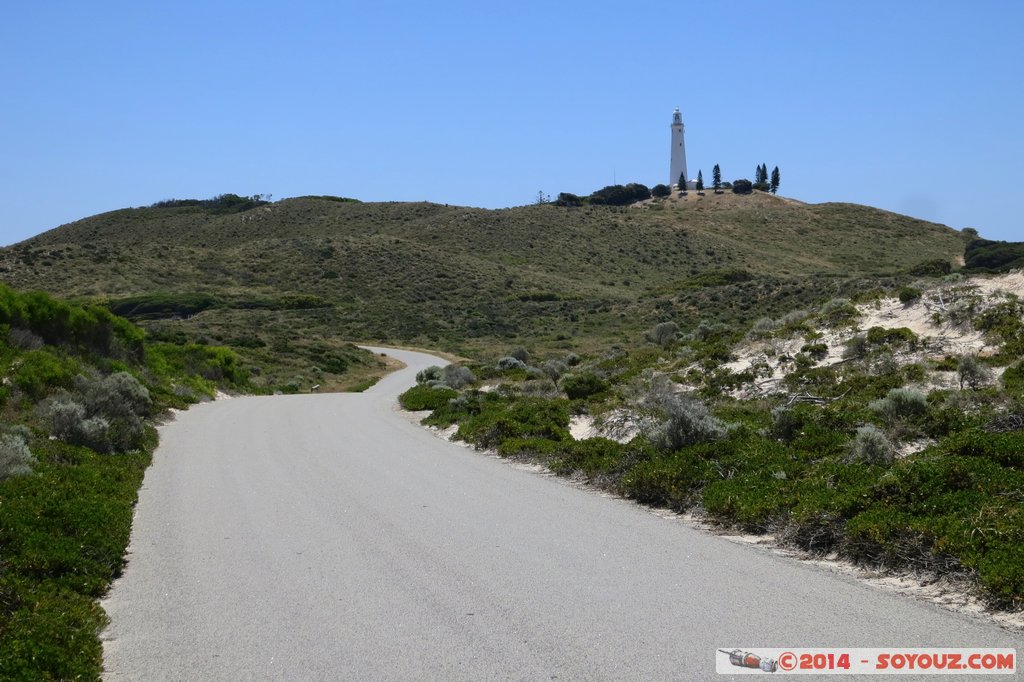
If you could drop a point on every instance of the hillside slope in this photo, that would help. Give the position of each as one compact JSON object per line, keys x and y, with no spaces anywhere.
{"x":317,"y":268}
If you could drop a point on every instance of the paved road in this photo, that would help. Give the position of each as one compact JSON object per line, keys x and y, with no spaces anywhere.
{"x":326,"y":537}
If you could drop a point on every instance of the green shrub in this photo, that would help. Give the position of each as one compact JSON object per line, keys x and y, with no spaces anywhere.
{"x":787,"y":421}
{"x":751,"y":502}
{"x":871,"y":446}
{"x":856,"y":348}
{"x":531,"y":448}
{"x":1006,"y":449}
{"x":663,"y":333}
{"x":901,"y":404}
{"x":1013,"y":380}
{"x":838,"y":311}
{"x":511,"y":363}
{"x":456,"y":376}
{"x":104,"y":413}
{"x":41,"y":371}
{"x":886,"y":535}
{"x":582,"y":385}
{"x":900,"y":336}
{"x":937,"y":267}
{"x":499,"y":419}
{"x":671,"y":481}
{"x":591,"y":457}
{"x":675,"y":420}
{"x":568,"y":199}
{"x":113,"y":396}
{"x":908,"y":295}
{"x":742,"y":186}
{"x":89,"y":329}
{"x":971,"y":371}
{"x":993,"y":256}
{"x":15,"y":457}
{"x":429,"y":374}
{"x":420,"y":398}
{"x":817,"y":351}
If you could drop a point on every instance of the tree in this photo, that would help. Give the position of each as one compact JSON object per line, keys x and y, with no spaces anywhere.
{"x":567,"y":199}
{"x":716,"y":177}
{"x":700,"y":181}
{"x":761,"y":175}
{"x":682,"y":181}
{"x":661,"y":191}
{"x":741,"y":186}
{"x":542,"y":198}
{"x":775,"y":180}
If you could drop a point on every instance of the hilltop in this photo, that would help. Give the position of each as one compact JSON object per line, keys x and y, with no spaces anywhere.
{"x":298,"y":275}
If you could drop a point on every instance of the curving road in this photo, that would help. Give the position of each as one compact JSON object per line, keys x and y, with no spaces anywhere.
{"x":327,"y":537}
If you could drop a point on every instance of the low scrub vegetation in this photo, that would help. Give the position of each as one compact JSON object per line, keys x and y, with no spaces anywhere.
{"x":79,"y":385}
{"x":859,"y":458}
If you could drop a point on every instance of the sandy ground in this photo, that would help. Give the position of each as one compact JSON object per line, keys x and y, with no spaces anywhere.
{"x":938,"y":339}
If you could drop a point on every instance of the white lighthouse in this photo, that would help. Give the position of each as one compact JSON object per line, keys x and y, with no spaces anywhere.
{"x":678,"y":166}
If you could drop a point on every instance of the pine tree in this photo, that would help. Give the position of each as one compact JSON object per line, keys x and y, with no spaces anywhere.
{"x":700,"y":181}
{"x":775,"y":180}
{"x":716,"y":177}
{"x":682,"y":181}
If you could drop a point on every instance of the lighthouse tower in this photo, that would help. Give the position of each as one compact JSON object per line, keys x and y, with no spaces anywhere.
{"x":678,"y":165}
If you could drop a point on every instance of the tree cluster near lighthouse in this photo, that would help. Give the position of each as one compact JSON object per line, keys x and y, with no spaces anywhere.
{"x":678,"y":177}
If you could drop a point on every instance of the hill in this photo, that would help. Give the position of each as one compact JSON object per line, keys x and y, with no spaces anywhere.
{"x":285,"y":281}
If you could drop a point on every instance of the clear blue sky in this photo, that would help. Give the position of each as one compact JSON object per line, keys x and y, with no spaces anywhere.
{"x":915,"y":106}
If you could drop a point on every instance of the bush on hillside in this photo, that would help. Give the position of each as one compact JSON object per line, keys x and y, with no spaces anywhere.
{"x":742,"y":186}
{"x":554,"y":369}
{"x":521,"y":354}
{"x":104,"y":413}
{"x":582,"y":385}
{"x":1013,"y":380}
{"x":871,"y":446}
{"x":568,"y":200}
{"x":838,"y":311}
{"x":15,"y":457}
{"x":620,"y":195}
{"x":87,"y":328}
{"x":222,"y":203}
{"x":420,"y":398}
{"x":24,"y":339}
{"x":786,"y":423}
{"x":661,"y":191}
{"x":971,"y":371}
{"x":456,"y":376}
{"x":900,"y":404}
{"x":856,"y":347}
{"x":428,"y":375}
{"x":114,"y":396}
{"x":663,"y":333}
{"x":937,"y":267}
{"x":41,"y":371}
{"x":908,"y":295}
{"x":993,"y":256}
{"x":508,"y":362}
{"x":674,"y":420}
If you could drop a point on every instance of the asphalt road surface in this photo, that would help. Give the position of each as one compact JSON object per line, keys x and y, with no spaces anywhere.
{"x":327,"y":537}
